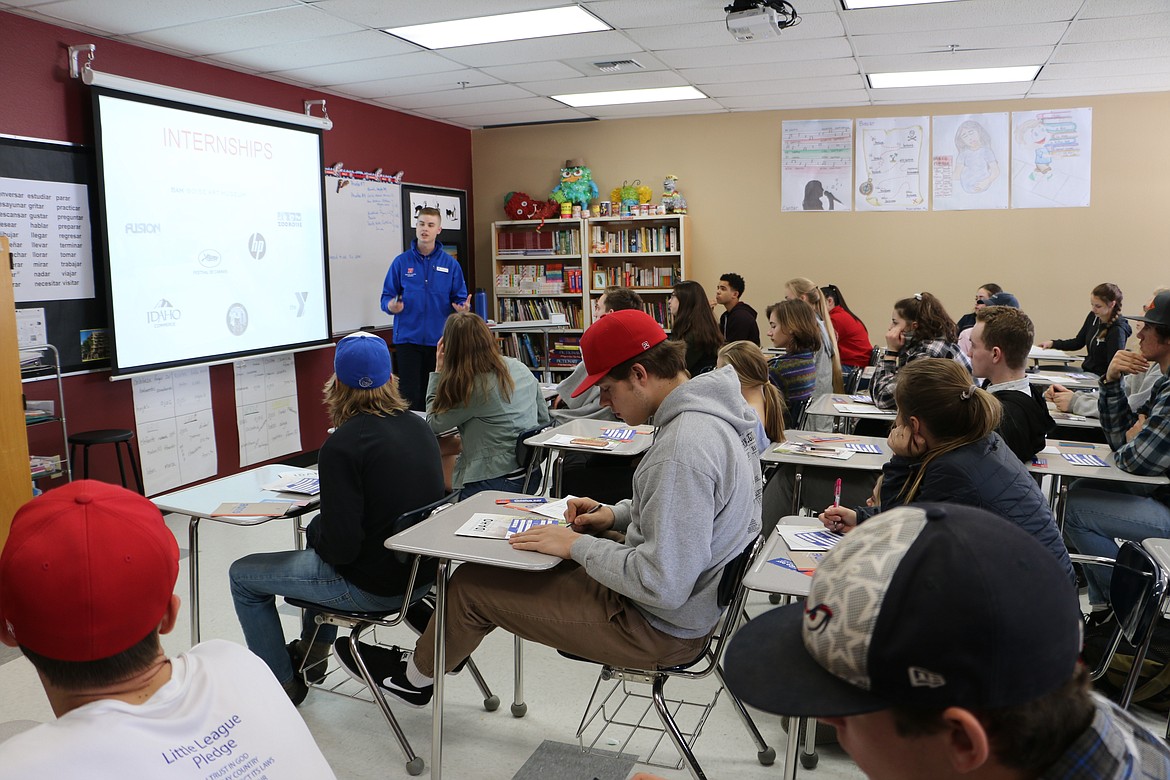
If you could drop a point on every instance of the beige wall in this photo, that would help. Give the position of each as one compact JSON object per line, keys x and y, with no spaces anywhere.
{"x":728,"y":168}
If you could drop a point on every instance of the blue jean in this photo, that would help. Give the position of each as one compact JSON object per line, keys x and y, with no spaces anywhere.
{"x":505,"y":484}
{"x":256,"y":581}
{"x":1099,"y":512}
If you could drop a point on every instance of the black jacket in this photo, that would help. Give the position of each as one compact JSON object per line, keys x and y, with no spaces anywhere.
{"x":1025,"y":422}
{"x":739,"y":324}
{"x":1098,"y":351}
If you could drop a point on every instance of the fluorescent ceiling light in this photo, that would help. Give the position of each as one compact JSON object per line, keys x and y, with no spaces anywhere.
{"x":501,"y":27}
{"x":946,"y":78}
{"x":853,"y":5}
{"x":626,"y":96}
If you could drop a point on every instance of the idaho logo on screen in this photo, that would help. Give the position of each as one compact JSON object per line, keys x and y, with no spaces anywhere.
{"x":257,"y":246}
{"x":164,"y":315}
{"x":237,"y":319}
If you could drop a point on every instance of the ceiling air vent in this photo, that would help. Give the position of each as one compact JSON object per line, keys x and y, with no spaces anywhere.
{"x":618,"y":66}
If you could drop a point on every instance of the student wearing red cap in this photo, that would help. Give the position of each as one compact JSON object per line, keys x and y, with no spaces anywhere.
{"x":648,"y":599}
{"x":87,"y":582}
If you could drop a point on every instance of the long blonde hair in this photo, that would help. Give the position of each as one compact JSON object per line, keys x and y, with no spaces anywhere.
{"x":940,"y":393}
{"x":469,"y":352}
{"x":810,"y":293}
{"x":749,"y":363}
{"x":343,"y":402}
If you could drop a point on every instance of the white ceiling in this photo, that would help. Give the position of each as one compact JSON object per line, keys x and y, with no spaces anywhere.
{"x":1086,"y":47}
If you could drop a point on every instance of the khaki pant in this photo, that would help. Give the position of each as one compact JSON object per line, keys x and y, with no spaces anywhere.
{"x":563,"y":608}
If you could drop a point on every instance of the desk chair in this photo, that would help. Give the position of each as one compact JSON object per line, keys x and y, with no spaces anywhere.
{"x":119,"y":437}
{"x":528,"y":457}
{"x":317,"y":675}
{"x":1138,"y":592}
{"x":732,"y":595}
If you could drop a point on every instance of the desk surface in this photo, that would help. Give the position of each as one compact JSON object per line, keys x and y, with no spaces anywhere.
{"x":1041,"y":355}
{"x":1058,"y":466}
{"x":825,"y":406}
{"x":769,"y":577}
{"x":200,"y":501}
{"x":436,"y":537}
{"x":587,"y":428}
{"x":1065,"y":420}
{"x":1073,"y":380}
{"x":861,"y":461}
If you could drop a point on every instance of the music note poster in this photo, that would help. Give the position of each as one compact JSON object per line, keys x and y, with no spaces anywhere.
{"x":893,"y":163}
{"x":816,"y":165}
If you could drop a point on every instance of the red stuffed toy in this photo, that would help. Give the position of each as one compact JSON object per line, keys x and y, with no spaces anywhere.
{"x":521,"y":205}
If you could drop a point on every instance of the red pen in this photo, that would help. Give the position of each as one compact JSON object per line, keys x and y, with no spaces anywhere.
{"x":837,"y":493}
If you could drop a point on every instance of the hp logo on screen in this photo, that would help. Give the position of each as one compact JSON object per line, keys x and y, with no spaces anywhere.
{"x":257,"y":246}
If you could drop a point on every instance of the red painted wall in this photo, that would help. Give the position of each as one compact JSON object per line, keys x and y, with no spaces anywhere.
{"x":39,"y":100}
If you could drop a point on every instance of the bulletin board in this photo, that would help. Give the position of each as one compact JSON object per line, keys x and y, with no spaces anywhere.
{"x":77,"y":327}
{"x":452,"y":205}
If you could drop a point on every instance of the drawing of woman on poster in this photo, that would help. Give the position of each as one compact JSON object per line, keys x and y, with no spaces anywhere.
{"x":975,"y":164}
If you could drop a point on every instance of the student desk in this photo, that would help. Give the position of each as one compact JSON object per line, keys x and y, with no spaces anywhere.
{"x":768,"y":577}
{"x":1039,"y":355}
{"x":1062,"y":470}
{"x":1066,"y":378}
{"x":825,"y":405}
{"x":436,"y":538}
{"x":585,"y":429}
{"x":1067,"y":420}
{"x":861,"y":461}
{"x":198,"y":502}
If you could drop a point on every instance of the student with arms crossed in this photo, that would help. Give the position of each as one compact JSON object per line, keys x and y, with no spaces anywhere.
{"x":423,"y":286}
{"x":943,"y":644}
{"x":87,"y":582}
{"x":946,"y":449}
{"x":1099,"y":512}
{"x":649,"y":600}
{"x":1000,"y":342}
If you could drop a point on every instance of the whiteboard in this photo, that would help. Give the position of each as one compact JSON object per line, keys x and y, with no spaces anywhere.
{"x":365,"y":234}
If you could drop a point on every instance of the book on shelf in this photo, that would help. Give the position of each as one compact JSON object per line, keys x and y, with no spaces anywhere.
{"x":634,"y":275}
{"x":511,"y":243}
{"x":41,"y":465}
{"x":647,"y":239}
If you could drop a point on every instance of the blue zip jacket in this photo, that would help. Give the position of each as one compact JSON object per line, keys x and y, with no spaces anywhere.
{"x":428,"y":285}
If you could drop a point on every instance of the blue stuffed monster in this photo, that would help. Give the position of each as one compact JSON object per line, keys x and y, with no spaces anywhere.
{"x":577,"y":185}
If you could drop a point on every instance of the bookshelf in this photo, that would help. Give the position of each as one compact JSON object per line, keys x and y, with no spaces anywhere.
{"x":647,"y":254}
{"x":558,"y":269}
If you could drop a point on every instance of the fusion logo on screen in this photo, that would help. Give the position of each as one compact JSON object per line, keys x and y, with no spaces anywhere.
{"x":143,"y":227}
{"x":237,"y":319}
{"x":288,"y":219}
{"x":164,"y":315}
{"x":257,"y":246}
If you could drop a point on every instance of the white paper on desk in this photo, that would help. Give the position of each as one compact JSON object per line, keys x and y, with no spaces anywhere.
{"x":305,"y":482}
{"x":1049,"y":450}
{"x":861,"y":409}
{"x":492,"y":526}
{"x":553,"y":509}
{"x":797,"y":448}
{"x":810,"y":538}
{"x":566,"y":441}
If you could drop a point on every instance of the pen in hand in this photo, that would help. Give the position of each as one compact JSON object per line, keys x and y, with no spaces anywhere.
{"x":591,"y":510}
{"x":838,"y":525}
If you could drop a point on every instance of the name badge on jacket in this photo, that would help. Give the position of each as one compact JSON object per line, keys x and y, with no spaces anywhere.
{"x":441,"y":268}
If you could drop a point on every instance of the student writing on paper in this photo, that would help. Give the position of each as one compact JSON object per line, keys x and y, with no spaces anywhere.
{"x":650,"y":599}
{"x":946,"y":449}
{"x":490,"y":398}
{"x":381,"y":461}
{"x":1099,"y":512}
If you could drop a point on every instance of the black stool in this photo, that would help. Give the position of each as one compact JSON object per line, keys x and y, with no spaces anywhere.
{"x":113,"y":436}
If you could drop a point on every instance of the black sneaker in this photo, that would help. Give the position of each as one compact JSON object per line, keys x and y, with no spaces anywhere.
{"x":1100,"y":621}
{"x":296,"y":690}
{"x":318,"y":665}
{"x":387,"y":666}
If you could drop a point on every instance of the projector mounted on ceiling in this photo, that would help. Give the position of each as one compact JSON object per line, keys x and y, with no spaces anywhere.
{"x":759,"y":20}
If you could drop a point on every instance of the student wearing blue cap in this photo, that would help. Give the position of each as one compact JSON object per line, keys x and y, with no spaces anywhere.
{"x":380,"y":461}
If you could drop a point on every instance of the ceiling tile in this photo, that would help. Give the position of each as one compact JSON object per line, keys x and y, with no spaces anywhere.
{"x":399,"y":13}
{"x":410,"y":85}
{"x":588,"y":65}
{"x":656,"y":78}
{"x":1124,"y":28}
{"x":842,"y":66}
{"x":558,"y":47}
{"x":965,"y":92}
{"x":551,"y":115}
{"x":1151,"y":82}
{"x":284,"y":25}
{"x":371,"y":70}
{"x":528,"y":105}
{"x":1095,"y":52}
{"x":957,"y":16}
{"x":655,"y":13}
{"x":974,"y":38}
{"x":685,"y":36}
{"x":669,"y":108}
{"x":1097,"y":8}
{"x":454,"y":97}
{"x":758,"y":52}
{"x":363,"y":45}
{"x":131,"y":16}
{"x":850,"y":97}
{"x":550,"y":69}
{"x":1033,"y":55}
{"x":784,"y":86}
{"x":1083,"y":70}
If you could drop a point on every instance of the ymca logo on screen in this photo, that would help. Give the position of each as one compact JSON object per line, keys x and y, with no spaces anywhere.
{"x":257,"y":246}
{"x":237,"y":319}
{"x":164,"y":315}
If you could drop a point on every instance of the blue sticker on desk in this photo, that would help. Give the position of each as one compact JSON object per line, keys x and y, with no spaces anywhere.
{"x":1040,"y":462}
{"x":618,"y":434}
{"x":871,"y":448}
{"x":1082,"y":459}
{"x":784,"y":563}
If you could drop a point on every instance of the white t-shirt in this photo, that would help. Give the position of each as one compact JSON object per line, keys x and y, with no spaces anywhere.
{"x":222,"y":715}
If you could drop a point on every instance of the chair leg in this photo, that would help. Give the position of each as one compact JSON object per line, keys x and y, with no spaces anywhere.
{"x":121,"y":468}
{"x":764,"y":752}
{"x":414,"y":763}
{"x":134,"y":468}
{"x":672,"y":729}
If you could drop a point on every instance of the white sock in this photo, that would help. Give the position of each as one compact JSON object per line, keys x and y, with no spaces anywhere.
{"x":415,"y":677}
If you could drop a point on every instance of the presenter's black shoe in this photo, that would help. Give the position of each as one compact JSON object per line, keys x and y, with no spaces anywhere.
{"x":387,"y":666}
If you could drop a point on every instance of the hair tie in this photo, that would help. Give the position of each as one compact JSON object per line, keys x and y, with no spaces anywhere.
{"x":966,"y":394}
{"x":918,"y":296}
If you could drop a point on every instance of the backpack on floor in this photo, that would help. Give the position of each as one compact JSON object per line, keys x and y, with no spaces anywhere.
{"x":1153,"y":687}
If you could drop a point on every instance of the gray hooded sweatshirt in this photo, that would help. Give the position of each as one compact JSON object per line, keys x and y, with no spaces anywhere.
{"x":696,"y":506}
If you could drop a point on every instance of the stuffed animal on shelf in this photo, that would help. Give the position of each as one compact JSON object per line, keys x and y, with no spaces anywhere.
{"x":577,"y":185}
{"x":521,"y":205}
{"x":672,"y":199}
{"x":631,"y":194}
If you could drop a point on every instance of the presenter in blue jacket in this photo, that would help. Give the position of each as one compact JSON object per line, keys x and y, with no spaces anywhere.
{"x":423,"y":286}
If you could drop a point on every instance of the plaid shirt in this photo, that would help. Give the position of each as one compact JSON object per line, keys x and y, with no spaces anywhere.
{"x":881,"y":388}
{"x":1115,"y":746}
{"x":1149,"y":452}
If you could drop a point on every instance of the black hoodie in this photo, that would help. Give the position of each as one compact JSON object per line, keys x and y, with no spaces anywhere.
{"x":1025,"y":422}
